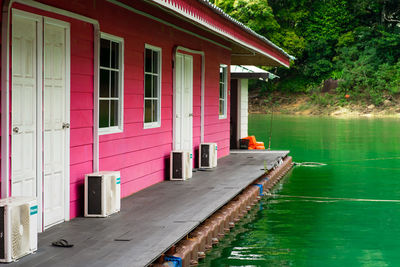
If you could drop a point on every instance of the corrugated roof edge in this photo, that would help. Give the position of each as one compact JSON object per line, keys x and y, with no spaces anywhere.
{"x":220,"y":12}
{"x":251,"y":69}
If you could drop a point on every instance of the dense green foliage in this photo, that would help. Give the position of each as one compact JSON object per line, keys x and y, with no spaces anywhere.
{"x":354,"y":41}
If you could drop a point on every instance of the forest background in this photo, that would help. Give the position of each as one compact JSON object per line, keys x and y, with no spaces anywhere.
{"x":347,"y":51}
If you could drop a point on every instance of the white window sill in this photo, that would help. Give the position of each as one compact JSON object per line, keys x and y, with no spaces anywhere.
{"x":151,"y":125}
{"x":111,"y":130}
{"x":221,"y":117}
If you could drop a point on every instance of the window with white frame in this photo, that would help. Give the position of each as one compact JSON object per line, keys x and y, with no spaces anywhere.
{"x":111,"y":84}
{"x":223,"y":85}
{"x":152,"y":86}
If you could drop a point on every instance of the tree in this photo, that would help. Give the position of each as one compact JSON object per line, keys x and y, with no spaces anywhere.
{"x":357,"y":41}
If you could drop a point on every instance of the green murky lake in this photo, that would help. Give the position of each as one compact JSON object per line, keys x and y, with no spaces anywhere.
{"x":346,"y":213}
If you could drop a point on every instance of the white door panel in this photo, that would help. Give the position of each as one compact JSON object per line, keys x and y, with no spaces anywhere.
{"x":184,"y":102}
{"x":23,"y":106}
{"x":54,"y":117}
{"x":187,"y":104}
{"x":178,"y":97}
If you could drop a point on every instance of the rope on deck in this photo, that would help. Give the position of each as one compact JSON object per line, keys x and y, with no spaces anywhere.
{"x":335,"y":198}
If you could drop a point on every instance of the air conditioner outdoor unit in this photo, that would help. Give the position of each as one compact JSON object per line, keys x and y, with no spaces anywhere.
{"x":102,"y":193}
{"x":208,"y":155}
{"x":18,"y":227}
{"x":181,"y":165}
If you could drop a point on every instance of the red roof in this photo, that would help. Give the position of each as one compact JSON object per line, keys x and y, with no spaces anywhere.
{"x":248,"y":47}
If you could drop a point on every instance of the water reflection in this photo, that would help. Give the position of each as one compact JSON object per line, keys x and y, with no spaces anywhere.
{"x":324,"y":216}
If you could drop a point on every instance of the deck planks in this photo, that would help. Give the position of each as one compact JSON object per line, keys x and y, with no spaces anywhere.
{"x":152,"y":219}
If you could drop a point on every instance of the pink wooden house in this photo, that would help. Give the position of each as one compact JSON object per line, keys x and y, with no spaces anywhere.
{"x":90,"y":85}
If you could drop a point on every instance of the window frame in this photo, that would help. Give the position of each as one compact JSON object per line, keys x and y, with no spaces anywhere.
{"x":120,"y":127}
{"x":225,"y":99}
{"x":154,"y":124}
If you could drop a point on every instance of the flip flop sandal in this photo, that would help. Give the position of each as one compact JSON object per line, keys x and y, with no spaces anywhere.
{"x":62,"y":243}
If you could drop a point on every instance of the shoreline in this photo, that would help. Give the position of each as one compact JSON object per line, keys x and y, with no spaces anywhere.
{"x":306,"y":105}
{"x":350,"y":115}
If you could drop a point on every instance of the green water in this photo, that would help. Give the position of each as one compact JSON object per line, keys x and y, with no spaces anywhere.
{"x":363,"y":157}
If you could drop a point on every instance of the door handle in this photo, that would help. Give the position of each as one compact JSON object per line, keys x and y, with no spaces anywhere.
{"x":16,"y":130}
{"x":190,"y":114}
{"x":65,"y":125}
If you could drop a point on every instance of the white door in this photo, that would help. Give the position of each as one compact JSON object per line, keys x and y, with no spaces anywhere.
{"x":55,"y":124}
{"x":40,"y":113}
{"x":23,"y":104}
{"x":183,"y":102}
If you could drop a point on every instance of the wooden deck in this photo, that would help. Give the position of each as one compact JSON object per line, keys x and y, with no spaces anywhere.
{"x":152,"y":220}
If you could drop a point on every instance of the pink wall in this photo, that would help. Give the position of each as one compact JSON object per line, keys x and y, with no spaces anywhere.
{"x":140,"y":154}
{"x":1,"y":17}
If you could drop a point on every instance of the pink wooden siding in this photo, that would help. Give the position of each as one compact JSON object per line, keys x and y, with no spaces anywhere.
{"x":1,"y":17}
{"x":216,"y":129}
{"x":140,"y":154}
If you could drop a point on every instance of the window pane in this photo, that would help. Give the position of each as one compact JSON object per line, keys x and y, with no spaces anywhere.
{"x":155,"y":110}
{"x":147,"y":111}
{"x":104,"y":53}
{"x":148,"y":85}
{"x":104,"y":113}
{"x":114,"y":84}
{"x":152,"y":85}
{"x":155,"y":62}
{"x":155,"y":86}
{"x":148,"y":60}
{"x":104,"y":83}
{"x":113,"y":112}
{"x":114,"y":55}
{"x":222,"y":93}
{"x":222,"y":72}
